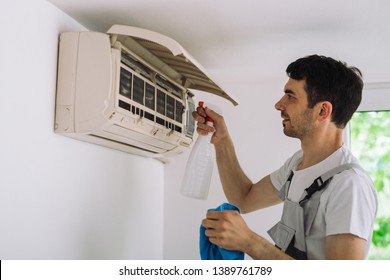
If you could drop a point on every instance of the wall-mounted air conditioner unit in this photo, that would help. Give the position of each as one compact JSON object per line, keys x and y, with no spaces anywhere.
{"x":128,"y":90}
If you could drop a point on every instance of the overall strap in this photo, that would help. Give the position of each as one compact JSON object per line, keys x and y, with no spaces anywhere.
{"x":323,"y":180}
{"x":285,"y":188}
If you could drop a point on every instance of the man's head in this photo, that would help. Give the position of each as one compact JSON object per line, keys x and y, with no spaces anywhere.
{"x":330,"y":80}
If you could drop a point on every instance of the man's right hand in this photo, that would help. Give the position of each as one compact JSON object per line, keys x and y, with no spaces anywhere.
{"x":220,"y":130}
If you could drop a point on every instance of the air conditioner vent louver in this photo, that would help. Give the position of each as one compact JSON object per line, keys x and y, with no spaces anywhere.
{"x":109,"y":139}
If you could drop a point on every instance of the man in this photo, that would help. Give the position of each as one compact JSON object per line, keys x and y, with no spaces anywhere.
{"x":336,"y":220}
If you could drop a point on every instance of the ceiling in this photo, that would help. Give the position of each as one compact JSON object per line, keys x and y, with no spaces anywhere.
{"x":252,"y":41}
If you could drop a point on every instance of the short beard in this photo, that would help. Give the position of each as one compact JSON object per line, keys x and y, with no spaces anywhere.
{"x":303,"y":128}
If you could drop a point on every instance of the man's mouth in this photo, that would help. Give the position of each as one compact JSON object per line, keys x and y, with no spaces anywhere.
{"x":285,"y":118}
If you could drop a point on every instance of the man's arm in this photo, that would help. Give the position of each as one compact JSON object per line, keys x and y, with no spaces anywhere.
{"x":237,"y":187}
{"x":344,"y":247}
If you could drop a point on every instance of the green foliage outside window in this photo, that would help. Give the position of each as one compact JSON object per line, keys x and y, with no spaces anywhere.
{"x":370,"y":142}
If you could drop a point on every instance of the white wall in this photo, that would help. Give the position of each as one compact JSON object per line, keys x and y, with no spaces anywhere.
{"x":256,"y":129}
{"x":61,"y":198}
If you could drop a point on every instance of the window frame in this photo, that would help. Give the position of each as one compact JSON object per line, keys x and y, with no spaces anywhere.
{"x":376,"y":97}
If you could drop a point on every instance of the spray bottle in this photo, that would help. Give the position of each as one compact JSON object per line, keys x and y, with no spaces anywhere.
{"x":199,"y":168}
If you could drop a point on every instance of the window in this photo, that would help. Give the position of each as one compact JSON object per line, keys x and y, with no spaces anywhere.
{"x":370,"y":143}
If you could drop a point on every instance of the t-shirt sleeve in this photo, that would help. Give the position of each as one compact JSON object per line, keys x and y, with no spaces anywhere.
{"x":280,"y":176}
{"x":351,"y":206}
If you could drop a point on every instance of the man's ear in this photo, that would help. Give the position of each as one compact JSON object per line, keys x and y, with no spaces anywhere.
{"x":324,"y":110}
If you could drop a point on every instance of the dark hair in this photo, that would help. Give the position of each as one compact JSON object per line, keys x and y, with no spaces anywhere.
{"x":330,"y":80}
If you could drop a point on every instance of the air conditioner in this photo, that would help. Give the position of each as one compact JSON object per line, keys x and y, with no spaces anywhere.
{"x":129,"y":90}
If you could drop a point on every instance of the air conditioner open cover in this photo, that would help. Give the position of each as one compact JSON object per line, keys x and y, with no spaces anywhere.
{"x":128,"y":90}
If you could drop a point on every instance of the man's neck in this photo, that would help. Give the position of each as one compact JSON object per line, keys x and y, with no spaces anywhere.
{"x":319,"y":147}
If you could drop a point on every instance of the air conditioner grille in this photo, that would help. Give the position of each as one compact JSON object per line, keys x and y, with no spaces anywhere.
{"x":145,"y":114}
{"x":147,"y":100}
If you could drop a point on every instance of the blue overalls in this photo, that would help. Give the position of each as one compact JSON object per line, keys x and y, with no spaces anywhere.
{"x":289,"y":234}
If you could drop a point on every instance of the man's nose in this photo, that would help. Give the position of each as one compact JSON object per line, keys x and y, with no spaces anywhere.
{"x":279,"y":105}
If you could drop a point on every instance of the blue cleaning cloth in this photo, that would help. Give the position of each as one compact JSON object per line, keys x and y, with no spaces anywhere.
{"x":209,"y":251}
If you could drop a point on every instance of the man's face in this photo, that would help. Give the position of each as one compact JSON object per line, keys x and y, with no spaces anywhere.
{"x":298,"y":119}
